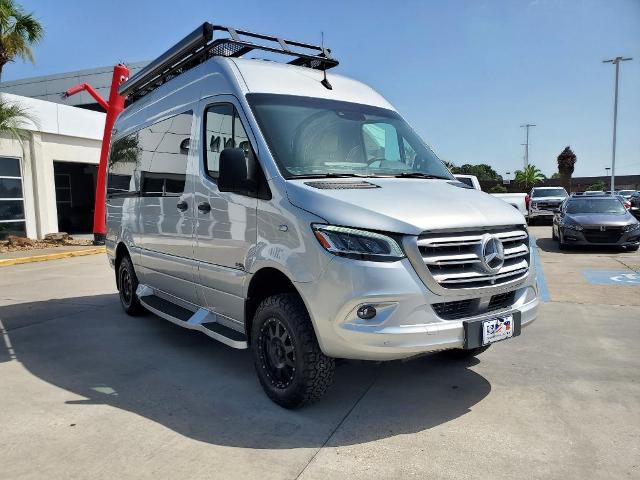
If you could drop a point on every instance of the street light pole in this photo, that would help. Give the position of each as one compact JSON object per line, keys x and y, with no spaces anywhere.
{"x":526,"y":145}
{"x":616,"y":61}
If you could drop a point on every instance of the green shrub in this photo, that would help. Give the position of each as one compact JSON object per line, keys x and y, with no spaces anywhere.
{"x":498,"y":189}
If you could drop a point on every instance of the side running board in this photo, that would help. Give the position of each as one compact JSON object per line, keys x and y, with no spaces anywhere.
{"x":203,"y":320}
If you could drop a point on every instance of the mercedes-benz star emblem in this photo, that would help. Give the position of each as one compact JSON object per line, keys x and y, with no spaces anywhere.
{"x":492,"y":253}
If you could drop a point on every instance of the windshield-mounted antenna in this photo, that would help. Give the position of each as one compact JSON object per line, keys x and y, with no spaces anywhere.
{"x":324,"y":81}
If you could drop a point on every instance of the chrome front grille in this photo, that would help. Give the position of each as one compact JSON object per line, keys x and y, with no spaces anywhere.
{"x":455,"y":260}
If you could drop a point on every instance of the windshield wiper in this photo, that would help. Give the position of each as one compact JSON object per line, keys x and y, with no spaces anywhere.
{"x":420,"y":175}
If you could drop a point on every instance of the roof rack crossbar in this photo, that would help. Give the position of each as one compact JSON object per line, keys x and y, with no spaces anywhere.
{"x":200,"y":45}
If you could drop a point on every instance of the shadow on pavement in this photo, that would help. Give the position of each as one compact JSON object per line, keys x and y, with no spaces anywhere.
{"x":209,"y":392}
{"x":550,"y":245}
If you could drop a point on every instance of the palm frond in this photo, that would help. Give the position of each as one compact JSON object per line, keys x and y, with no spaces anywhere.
{"x":14,"y":118}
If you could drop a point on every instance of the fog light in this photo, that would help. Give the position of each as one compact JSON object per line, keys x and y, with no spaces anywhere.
{"x":366,"y":312}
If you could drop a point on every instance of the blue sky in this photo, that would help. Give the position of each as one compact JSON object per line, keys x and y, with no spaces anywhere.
{"x":465,"y":74}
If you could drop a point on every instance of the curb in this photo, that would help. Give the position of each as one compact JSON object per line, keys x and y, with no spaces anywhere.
{"x":6,"y":262}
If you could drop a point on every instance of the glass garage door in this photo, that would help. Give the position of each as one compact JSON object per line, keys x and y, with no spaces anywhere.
{"x":12,"y":221}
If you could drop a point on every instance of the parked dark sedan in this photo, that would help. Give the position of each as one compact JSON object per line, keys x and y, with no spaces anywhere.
{"x":596,"y":220}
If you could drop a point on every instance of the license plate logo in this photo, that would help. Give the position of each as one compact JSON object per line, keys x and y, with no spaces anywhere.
{"x":497,"y":329}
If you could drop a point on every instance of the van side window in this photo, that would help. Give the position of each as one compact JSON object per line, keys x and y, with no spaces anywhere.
{"x":224,"y":129}
{"x":122,"y":163}
{"x":218,"y":126}
{"x":163,"y":154}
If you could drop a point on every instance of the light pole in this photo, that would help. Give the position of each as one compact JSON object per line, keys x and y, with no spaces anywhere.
{"x":526,"y":145}
{"x":606,"y":169}
{"x":616,"y":61}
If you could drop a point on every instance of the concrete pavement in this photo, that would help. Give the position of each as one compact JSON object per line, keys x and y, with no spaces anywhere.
{"x":87,"y":392}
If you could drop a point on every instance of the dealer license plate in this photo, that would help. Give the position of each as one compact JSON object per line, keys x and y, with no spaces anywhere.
{"x":496,"y":329}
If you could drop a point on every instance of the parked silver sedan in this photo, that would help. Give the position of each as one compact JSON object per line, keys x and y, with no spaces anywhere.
{"x":595,"y":220}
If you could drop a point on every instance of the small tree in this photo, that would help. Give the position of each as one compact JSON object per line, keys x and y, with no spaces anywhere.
{"x":18,"y":32}
{"x":566,"y":163}
{"x":449,"y":165}
{"x":529,"y":176}
{"x":597,"y":186}
{"x":481,"y":170}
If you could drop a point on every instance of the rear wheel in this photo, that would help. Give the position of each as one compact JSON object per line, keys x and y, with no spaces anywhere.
{"x":127,"y":286}
{"x":291,"y":368}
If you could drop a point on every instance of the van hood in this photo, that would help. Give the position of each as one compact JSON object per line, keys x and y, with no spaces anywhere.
{"x":406,"y":205}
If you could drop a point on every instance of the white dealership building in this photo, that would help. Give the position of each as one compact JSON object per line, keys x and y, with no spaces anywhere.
{"x":47,"y":179}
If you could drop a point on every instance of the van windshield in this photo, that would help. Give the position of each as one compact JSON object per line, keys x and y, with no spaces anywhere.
{"x":318,"y":137}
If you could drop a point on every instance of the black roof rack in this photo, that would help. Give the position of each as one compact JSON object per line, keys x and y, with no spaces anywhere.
{"x":200,"y":45}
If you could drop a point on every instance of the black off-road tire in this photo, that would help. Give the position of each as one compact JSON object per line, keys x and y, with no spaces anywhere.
{"x":306,"y":373}
{"x":127,"y":286}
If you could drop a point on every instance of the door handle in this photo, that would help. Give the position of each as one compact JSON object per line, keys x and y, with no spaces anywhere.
{"x":204,"y":207}
{"x":182,"y":206}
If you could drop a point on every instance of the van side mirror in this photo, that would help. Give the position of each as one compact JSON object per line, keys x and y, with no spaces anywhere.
{"x":234,"y":172}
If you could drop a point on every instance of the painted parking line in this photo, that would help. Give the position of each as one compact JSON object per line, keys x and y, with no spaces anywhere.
{"x":542,"y":281}
{"x":612,"y":277}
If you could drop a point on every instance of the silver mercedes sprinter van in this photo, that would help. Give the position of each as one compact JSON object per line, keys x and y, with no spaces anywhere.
{"x":275,"y":206}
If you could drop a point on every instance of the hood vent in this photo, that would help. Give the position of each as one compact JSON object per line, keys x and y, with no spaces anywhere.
{"x":341,"y":185}
{"x":456,"y":183}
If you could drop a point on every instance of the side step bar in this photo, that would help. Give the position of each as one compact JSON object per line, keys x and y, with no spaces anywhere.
{"x":202,"y":320}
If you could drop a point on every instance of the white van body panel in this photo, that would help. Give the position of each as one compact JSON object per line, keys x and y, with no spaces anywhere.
{"x":223,"y":250}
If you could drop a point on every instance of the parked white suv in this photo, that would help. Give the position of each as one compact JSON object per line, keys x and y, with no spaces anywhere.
{"x":280,"y":208}
{"x":516,"y":200}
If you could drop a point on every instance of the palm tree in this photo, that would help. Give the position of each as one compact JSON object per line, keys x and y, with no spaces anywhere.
{"x":13,"y":119}
{"x":566,"y":162}
{"x":18,"y":32}
{"x":528,"y":177}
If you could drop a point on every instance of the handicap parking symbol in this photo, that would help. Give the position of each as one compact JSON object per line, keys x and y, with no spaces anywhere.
{"x":633,"y":278}
{"x":612,"y":277}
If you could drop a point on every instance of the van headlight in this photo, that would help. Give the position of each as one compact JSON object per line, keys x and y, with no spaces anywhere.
{"x":632,"y":228}
{"x":358,"y":244}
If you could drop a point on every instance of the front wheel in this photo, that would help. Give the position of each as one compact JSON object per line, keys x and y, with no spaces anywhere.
{"x":291,"y":368}
{"x":561,"y":244}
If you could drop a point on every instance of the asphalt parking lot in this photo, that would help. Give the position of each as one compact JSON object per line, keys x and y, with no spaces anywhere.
{"x":87,"y":392}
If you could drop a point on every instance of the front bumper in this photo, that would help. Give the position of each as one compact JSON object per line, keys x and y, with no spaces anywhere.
{"x":406,"y":324}
{"x":578,"y":238}
{"x":536,"y":213}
